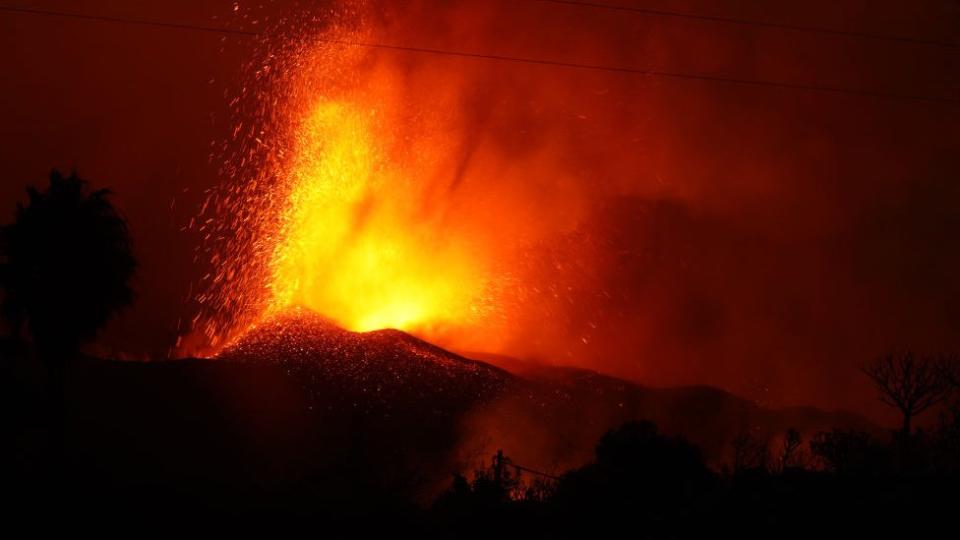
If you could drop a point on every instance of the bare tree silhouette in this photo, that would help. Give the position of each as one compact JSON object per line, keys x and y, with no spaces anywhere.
{"x":908,"y":383}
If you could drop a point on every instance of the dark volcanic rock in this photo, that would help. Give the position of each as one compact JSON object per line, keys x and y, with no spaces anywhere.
{"x":384,"y":370}
{"x":299,"y":403}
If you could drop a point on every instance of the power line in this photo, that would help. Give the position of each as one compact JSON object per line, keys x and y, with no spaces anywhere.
{"x":655,"y":73}
{"x":518,"y":59}
{"x":124,"y":20}
{"x":752,"y":22}
{"x":534,"y":471}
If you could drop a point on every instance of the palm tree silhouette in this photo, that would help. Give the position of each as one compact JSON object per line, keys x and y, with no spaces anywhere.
{"x":65,"y":267}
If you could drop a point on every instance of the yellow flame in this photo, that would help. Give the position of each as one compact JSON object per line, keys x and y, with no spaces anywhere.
{"x":355,"y":244}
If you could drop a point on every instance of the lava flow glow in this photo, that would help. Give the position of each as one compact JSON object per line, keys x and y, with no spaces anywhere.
{"x":384,"y":189}
{"x":345,"y":196}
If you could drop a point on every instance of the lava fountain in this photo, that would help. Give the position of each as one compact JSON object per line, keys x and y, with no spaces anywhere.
{"x":345,"y":194}
{"x":355,"y":242}
{"x":385,"y":189}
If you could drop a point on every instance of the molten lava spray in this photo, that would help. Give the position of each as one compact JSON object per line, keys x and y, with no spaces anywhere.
{"x":356,"y":241}
{"x":359,"y":187}
{"x":670,"y":230}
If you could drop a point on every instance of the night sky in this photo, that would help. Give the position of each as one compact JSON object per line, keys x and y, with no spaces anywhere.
{"x":765,"y":240}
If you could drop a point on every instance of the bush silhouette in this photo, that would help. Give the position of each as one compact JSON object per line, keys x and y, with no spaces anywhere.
{"x":67,"y":267}
{"x":847,"y":451}
{"x":637,"y":463}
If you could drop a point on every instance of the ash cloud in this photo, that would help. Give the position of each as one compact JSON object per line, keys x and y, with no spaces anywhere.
{"x":766,"y":240}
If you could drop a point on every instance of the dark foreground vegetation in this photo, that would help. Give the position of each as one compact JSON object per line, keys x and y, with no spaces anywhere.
{"x":147,"y":447}
{"x":646,"y":484}
{"x":162,"y":446}
{"x":229,"y":444}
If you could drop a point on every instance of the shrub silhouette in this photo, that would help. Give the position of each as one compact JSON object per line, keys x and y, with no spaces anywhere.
{"x":637,"y":463}
{"x":492,"y":487}
{"x":848,"y":451}
{"x":67,"y":267}
{"x":948,"y":438}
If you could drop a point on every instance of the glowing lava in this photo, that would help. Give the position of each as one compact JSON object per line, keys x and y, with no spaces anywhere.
{"x":384,"y":190}
{"x":340,"y":201}
{"x":355,"y":245}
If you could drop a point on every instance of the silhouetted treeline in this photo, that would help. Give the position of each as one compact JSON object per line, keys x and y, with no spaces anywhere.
{"x":140,"y":457}
{"x":655,"y":485}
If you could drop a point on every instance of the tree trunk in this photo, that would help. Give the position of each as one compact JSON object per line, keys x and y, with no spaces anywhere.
{"x":906,"y":450}
{"x":56,"y":357}
{"x":56,"y":404}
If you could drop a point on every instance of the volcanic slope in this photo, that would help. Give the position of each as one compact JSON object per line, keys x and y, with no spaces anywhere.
{"x":298,"y":403}
{"x":378,"y":370}
{"x":546,"y":416}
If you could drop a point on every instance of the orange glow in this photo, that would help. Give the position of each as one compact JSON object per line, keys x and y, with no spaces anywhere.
{"x":384,"y":190}
{"x":353,"y":243}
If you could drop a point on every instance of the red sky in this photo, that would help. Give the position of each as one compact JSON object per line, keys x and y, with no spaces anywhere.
{"x":761,"y":239}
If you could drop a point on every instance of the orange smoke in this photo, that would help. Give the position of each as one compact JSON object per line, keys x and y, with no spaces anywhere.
{"x":361,"y":190}
{"x":439,"y":195}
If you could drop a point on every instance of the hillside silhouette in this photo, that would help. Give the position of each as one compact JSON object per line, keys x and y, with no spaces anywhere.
{"x":302,"y":420}
{"x":298,"y":397}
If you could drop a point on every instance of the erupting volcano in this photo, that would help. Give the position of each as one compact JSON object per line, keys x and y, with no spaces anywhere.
{"x":382,"y":366}
{"x":353,"y":198}
{"x":481,"y":267}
